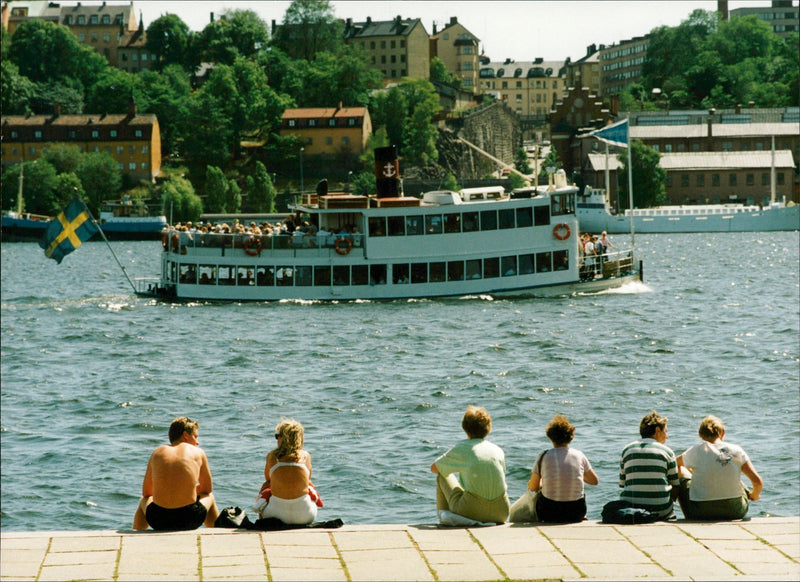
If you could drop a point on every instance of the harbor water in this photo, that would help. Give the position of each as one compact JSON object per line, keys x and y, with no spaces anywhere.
{"x":92,"y":376}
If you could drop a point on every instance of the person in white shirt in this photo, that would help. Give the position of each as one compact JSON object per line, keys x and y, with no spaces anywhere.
{"x":711,"y":486}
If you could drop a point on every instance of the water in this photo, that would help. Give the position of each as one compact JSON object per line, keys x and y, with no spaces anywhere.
{"x":92,"y":376}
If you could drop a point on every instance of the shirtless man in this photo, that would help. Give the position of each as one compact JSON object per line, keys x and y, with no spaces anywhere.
{"x":176,"y":491}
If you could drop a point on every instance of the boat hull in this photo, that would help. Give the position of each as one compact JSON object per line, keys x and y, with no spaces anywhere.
{"x":25,"y":230}
{"x":593,"y":219}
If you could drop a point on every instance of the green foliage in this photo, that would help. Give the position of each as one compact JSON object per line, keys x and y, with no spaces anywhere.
{"x":217,"y":189}
{"x":439,"y":72}
{"x":167,"y":95}
{"x":516,"y":180}
{"x":450,"y":183}
{"x":309,"y":27}
{"x":648,"y":177}
{"x":389,"y":110}
{"x":550,"y":161}
{"x":100,"y":177}
{"x":261,"y":194}
{"x":67,"y":186}
{"x":521,"y":162}
{"x":16,"y":90}
{"x":111,"y":93}
{"x":38,"y":187}
{"x":168,"y":38}
{"x":236,"y":34}
{"x":234,"y":201}
{"x":65,"y":158}
{"x":180,"y":202}
{"x":47,"y":95}
{"x":364,"y":183}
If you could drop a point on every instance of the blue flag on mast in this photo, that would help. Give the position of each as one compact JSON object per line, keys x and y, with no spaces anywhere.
{"x":615,"y":134}
{"x":68,"y":231}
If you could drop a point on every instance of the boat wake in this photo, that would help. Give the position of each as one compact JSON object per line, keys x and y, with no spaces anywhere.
{"x":632,"y":288}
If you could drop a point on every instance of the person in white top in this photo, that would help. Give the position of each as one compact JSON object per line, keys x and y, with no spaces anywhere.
{"x":711,"y":486}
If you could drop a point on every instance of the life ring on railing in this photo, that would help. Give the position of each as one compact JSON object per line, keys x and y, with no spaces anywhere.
{"x":165,"y":240}
{"x":176,"y":244}
{"x":561,"y":231}
{"x":343,"y":246}
{"x":252,"y":242}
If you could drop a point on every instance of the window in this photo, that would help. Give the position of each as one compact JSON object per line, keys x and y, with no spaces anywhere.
{"x":751,"y":179}
{"x":765,"y":179}
{"x":491,"y":268}
{"x":780,"y":178}
{"x":145,"y":149}
{"x":95,"y":134}
{"x":400,"y":274}
{"x":81,"y":19}
{"x":396,"y":226}
{"x":419,"y":273}
{"x":701,"y":180}
{"x":132,"y":150}
{"x":106,"y":19}
{"x":508,"y":266}
{"x":37,"y":134}
{"x":312,"y":123}
{"x":715,"y":179}
{"x":341,"y":275}
{"x":132,"y":166}
{"x":452,"y":223}
{"x":469,"y":222}
{"x":322,"y":276}
{"x":455,"y":270}
{"x":120,"y":149}
{"x":684,"y":180}
{"x":526,"y":263}
{"x":138,"y":133}
{"x":331,"y":122}
{"x":489,"y":220}
{"x":292,"y":122}
{"x":81,"y":37}
{"x":377,"y":274}
{"x":345,"y":140}
{"x":433,"y":224}
{"x":544,"y":262}
{"x":732,"y":179}
{"x":524,"y":217}
{"x":329,"y":140}
{"x":474,"y":269}
{"x":561,"y":260}
{"x":437,"y":272}
{"x":507,"y":218}
{"x":360,"y":275}
{"x":112,"y":133}
{"x":727,"y":146}
{"x":541,"y":215}
{"x":94,"y":37}
{"x":284,"y":276}
{"x":106,"y":37}
{"x":413,"y":225}
{"x":377,"y":226}
{"x":93,"y":19}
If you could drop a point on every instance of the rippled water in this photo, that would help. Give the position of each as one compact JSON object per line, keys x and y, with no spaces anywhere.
{"x":92,"y":376}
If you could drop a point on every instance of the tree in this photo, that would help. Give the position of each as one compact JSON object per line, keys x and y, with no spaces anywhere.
{"x":112,"y":92}
{"x":237,"y":33}
{"x":168,"y":38}
{"x":66,"y":95}
{"x":261,"y":195}
{"x":309,"y":27}
{"x":521,"y":162}
{"x":648,"y":177}
{"x":67,"y":187}
{"x":16,"y":90}
{"x":217,"y":190}
{"x":100,"y":177}
{"x":180,"y":201}
{"x":167,"y":94}
{"x":439,"y":72}
{"x":45,"y":51}
{"x":450,"y":183}
{"x":38,"y":187}
{"x":388,"y":109}
{"x":65,"y":158}
{"x":419,"y":138}
{"x":234,"y":199}
{"x":211,"y":134}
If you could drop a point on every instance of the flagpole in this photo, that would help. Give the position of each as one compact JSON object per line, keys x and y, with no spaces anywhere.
{"x":110,"y":249}
{"x":630,"y":178}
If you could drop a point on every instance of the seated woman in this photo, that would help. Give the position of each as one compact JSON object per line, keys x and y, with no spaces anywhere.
{"x":560,"y":473}
{"x":287,"y":494}
{"x":711,"y":486}
{"x":479,"y":492}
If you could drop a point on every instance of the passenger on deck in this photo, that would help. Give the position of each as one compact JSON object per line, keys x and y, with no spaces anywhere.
{"x":560,"y":473}
{"x":479,"y":492}
{"x":711,"y":487}
{"x":648,"y":471}
{"x":176,"y":491}
{"x":287,"y":493}
{"x":607,"y":244}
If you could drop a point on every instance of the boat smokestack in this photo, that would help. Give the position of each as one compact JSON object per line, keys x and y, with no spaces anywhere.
{"x":387,"y":172}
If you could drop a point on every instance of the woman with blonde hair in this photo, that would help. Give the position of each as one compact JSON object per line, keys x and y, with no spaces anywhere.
{"x":287,"y":493}
{"x":714,"y":489}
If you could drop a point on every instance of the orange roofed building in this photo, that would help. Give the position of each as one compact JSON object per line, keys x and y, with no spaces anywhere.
{"x":340,"y":130}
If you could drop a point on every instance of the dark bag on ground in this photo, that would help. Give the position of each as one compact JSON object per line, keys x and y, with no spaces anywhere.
{"x":231,"y":517}
{"x":624,"y":513}
{"x":275,"y":524}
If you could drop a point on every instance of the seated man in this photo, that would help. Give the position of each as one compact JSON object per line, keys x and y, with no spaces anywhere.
{"x":648,"y":469}
{"x":714,"y":489}
{"x":479,"y":493}
{"x":176,"y":491}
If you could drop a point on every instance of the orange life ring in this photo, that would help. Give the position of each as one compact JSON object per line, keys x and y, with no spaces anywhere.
{"x":165,"y":240}
{"x":561,"y":231}
{"x":176,"y":245}
{"x":343,"y":246}
{"x":252,"y":241}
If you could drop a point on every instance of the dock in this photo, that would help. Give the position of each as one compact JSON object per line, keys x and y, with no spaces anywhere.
{"x":761,"y":548}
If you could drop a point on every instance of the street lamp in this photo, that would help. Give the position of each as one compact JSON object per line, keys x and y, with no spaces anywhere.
{"x":657,"y":91}
{"x":301,"y":171}
{"x":349,"y":179}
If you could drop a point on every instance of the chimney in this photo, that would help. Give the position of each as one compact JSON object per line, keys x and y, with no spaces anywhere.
{"x":722,"y":9}
{"x":434,"y":27}
{"x":369,"y":19}
{"x":56,"y":110}
{"x":132,"y":110}
{"x":738,"y":109}
{"x":211,"y":17}
{"x":387,"y":173}
{"x":711,"y":113}
{"x":453,"y":20}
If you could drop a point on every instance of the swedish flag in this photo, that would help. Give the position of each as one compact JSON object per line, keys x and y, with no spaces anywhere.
{"x":68,"y":231}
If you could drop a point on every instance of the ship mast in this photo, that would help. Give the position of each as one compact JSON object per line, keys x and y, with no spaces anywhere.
{"x":19,"y":191}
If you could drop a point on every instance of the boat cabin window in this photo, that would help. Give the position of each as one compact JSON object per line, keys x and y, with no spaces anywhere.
{"x":244,"y":276}
{"x":414,"y":225}
{"x":544,"y":262}
{"x":433,"y":224}
{"x":188,"y":274}
{"x":541,"y":215}
{"x":302,"y":276}
{"x":507,"y":218}
{"x":360,"y":275}
{"x":397,"y":226}
{"x":284,"y":276}
{"x":264,"y":277}
{"x":524,"y":217}
{"x":526,"y":263}
{"x":322,"y":276}
{"x":400,"y":274}
{"x":377,"y":274}
{"x":562,"y":204}
{"x":452,"y":222}
{"x":489,"y":220}
{"x":341,"y":275}
{"x":227,"y":275}
{"x":377,"y":226}
{"x":561,"y":260}
{"x":455,"y":270}
{"x":508,"y":266}
{"x":491,"y":268}
{"x":469,"y":221}
{"x":474,"y":269}
{"x":437,"y":272}
{"x":419,"y":272}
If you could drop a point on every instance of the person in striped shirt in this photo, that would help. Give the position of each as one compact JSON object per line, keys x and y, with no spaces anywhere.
{"x":648,"y":470}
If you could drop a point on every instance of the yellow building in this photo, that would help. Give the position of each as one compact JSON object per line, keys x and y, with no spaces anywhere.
{"x":133,"y":140}
{"x":340,"y":130}
{"x":397,"y":48}
{"x":459,"y":50}
{"x":530,"y":88}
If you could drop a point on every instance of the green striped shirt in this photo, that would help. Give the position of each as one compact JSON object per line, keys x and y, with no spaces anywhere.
{"x":647,"y":471}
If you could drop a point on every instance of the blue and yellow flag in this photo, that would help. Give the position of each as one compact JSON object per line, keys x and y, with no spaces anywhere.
{"x":68,"y":231}
{"x":615,"y":134}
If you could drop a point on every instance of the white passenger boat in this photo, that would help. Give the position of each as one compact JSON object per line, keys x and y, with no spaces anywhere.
{"x":594,"y":215}
{"x":390,"y":246}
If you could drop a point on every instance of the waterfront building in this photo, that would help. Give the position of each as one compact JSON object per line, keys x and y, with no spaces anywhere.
{"x":459,"y":50}
{"x":132,"y":139}
{"x":397,"y":48}
{"x":321,"y":130}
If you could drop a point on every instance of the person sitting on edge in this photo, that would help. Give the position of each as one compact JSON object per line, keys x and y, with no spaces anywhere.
{"x":560,"y":473}
{"x":713,"y":489}
{"x":176,"y":491}
{"x":648,"y":469}
{"x":479,"y":493}
{"x":287,"y":493}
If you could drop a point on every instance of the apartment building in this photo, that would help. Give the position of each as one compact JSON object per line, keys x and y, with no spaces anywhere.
{"x":585,"y":72}
{"x":621,"y":65}
{"x":133,"y":140}
{"x":133,"y":54}
{"x":397,"y":48}
{"x":459,"y":50}
{"x":340,"y":130}
{"x":530,"y":88}
{"x":780,"y":15}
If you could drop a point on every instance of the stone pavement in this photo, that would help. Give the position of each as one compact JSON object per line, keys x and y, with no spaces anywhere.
{"x":755,"y":549}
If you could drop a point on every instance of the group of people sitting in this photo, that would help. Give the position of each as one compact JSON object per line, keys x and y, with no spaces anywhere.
{"x":705,"y":479}
{"x":471,"y":484}
{"x":293,"y":230}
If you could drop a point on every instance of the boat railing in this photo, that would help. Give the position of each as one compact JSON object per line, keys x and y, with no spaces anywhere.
{"x":146,"y":285}
{"x":607,"y":264}
{"x":185,"y":242}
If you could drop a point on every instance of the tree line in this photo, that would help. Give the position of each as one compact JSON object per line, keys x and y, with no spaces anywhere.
{"x":254,"y":76}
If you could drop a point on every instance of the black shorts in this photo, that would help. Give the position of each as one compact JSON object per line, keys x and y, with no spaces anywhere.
{"x":177,"y":519}
{"x":561,"y":511}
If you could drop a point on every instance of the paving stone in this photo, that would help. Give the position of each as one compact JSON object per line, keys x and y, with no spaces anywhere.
{"x":229,"y":545}
{"x":608,"y":552}
{"x":281,"y":561}
{"x":156,"y":543}
{"x":622,"y":571}
{"x":221,"y":561}
{"x":540,"y":572}
{"x":530,"y":560}
{"x":697,"y":567}
{"x":89,"y":557}
{"x":513,"y":541}
{"x":300,"y":552}
{"x":443,"y":539}
{"x":17,"y":555}
{"x":78,"y":572}
{"x":306,"y":574}
{"x":296,"y":538}
{"x":483,"y":570}
{"x":714,"y":531}
{"x":85,"y":544}
{"x":387,"y":569}
{"x":158,"y":562}
{"x":579,"y":532}
{"x":168,"y":577}
{"x":19,"y":570}
{"x":250,"y":570}
{"x":25,"y":543}
{"x":367,"y":540}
